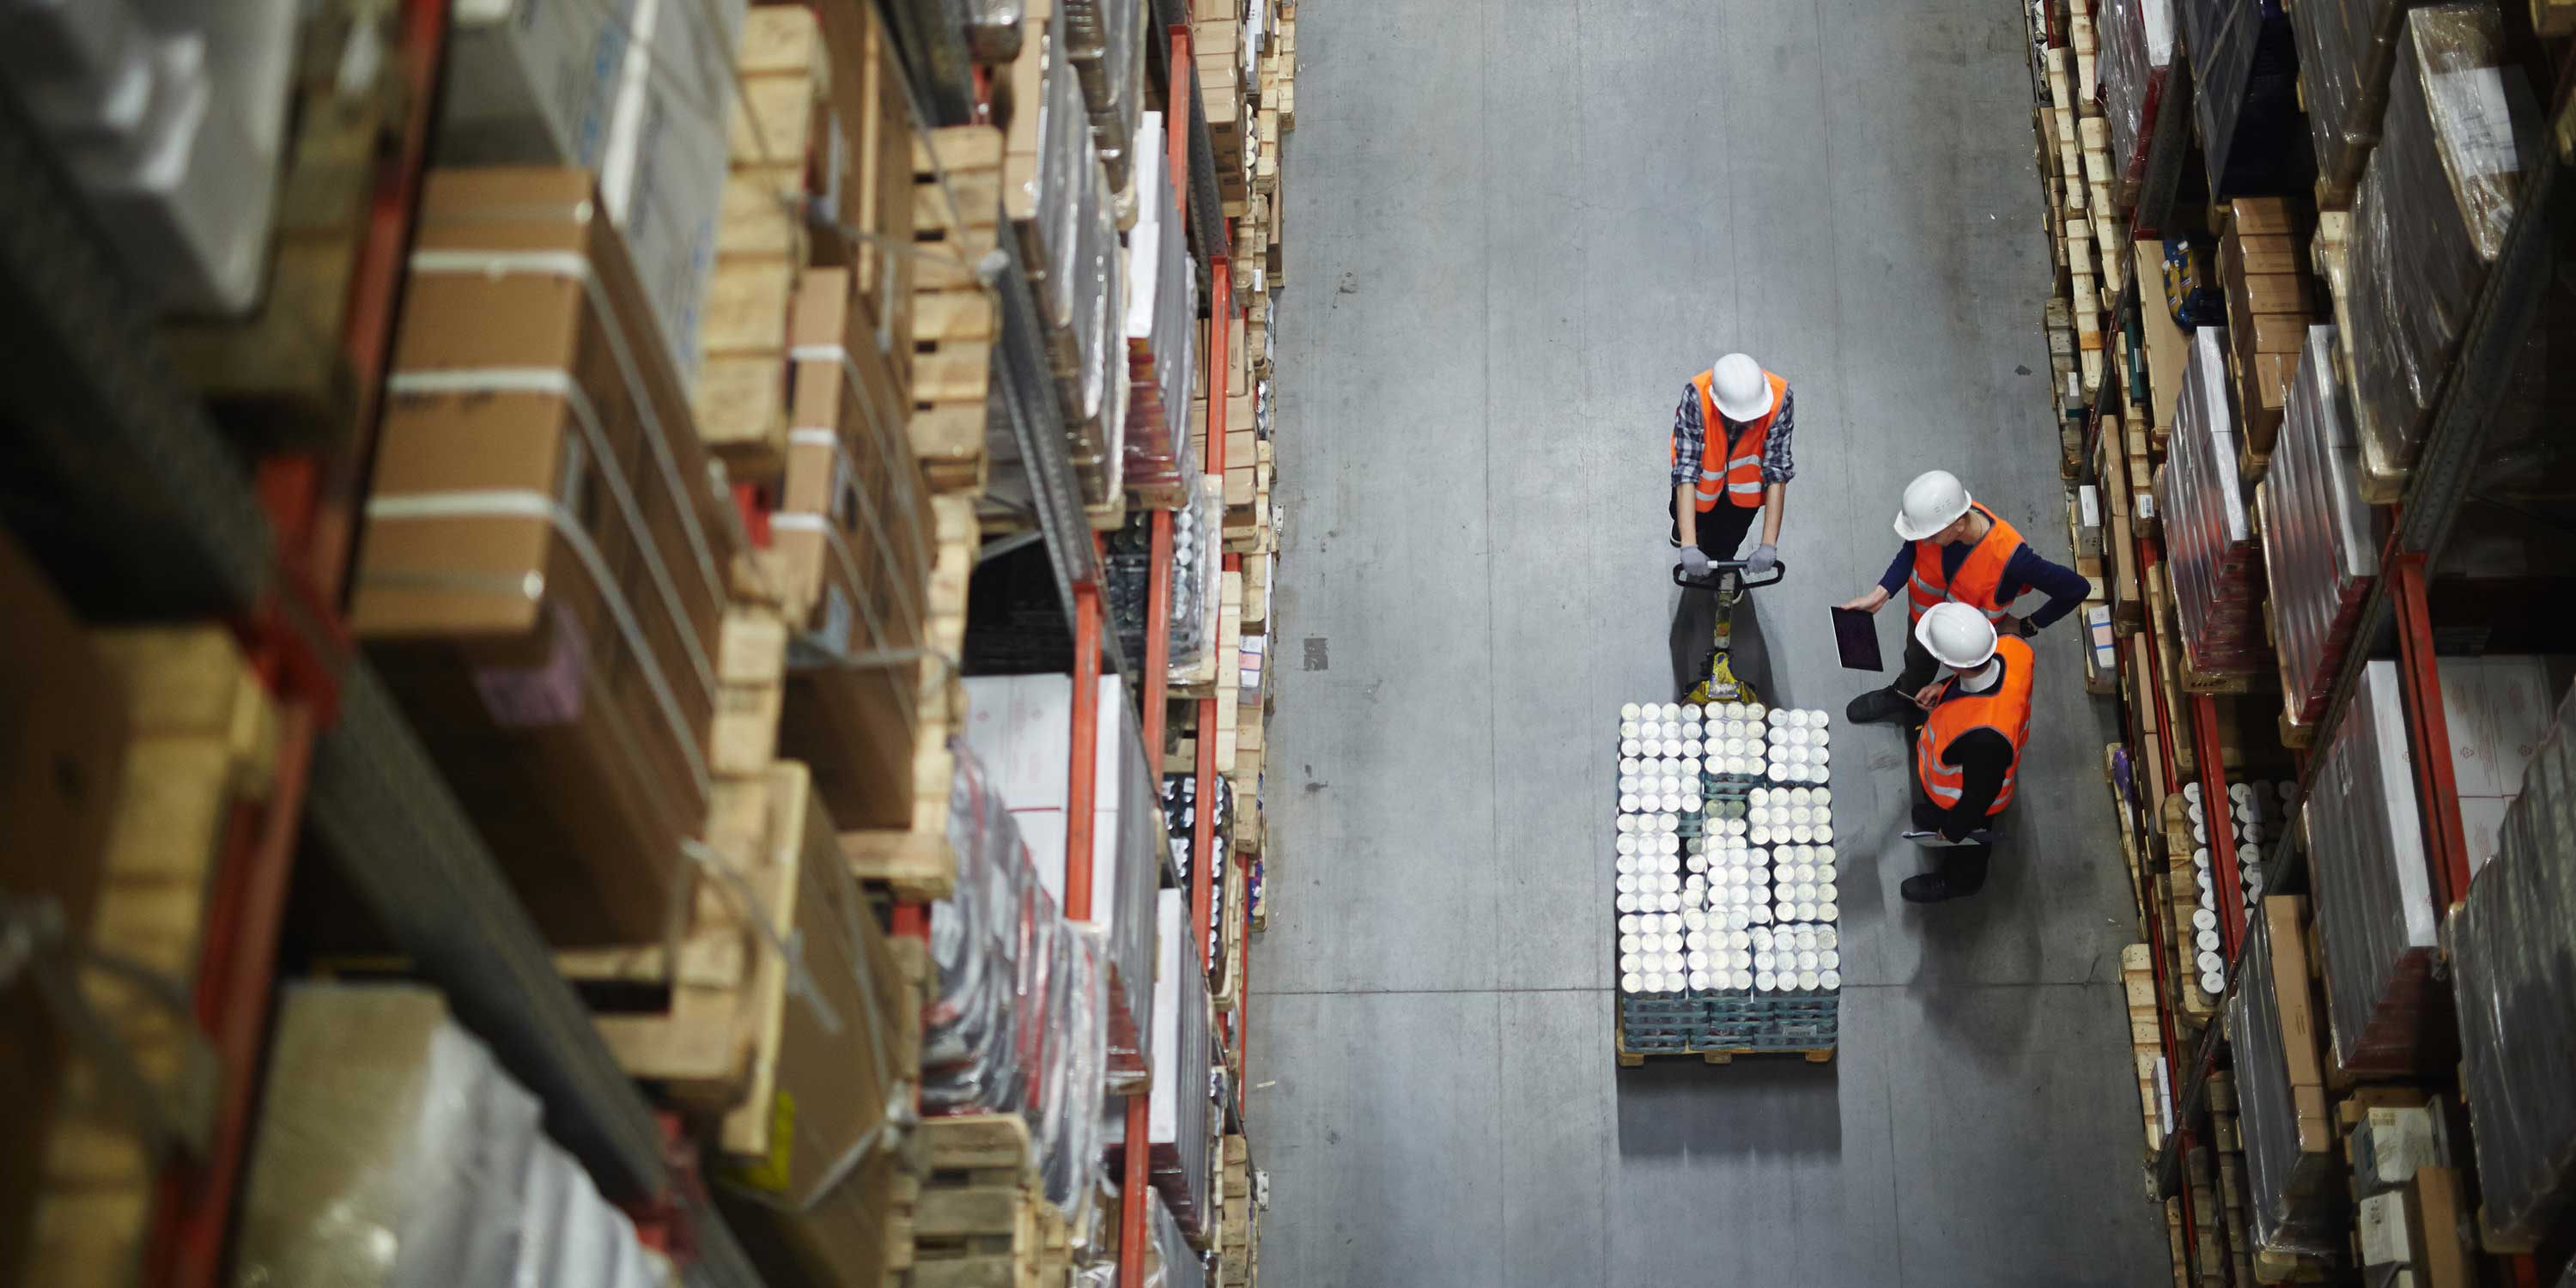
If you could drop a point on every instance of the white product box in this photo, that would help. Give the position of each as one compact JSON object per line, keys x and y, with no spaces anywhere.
{"x":1020,"y":728}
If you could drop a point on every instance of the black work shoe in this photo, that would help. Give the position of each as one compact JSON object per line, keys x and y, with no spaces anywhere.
{"x":1931,"y":887}
{"x":1879,"y":706}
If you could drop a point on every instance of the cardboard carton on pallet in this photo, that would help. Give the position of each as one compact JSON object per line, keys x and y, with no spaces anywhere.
{"x":546,"y":561}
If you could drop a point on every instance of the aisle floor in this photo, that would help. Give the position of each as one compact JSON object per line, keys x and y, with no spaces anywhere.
{"x":1514,"y":229}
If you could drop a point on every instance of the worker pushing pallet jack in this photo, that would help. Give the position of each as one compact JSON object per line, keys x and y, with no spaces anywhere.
{"x":1753,"y":831}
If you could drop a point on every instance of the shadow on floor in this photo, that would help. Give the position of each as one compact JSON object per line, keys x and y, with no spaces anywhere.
{"x":1758,"y":1105}
{"x":1694,"y":618}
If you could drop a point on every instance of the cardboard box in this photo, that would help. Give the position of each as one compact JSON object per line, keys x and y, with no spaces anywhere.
{"x":843,"y":1043}
{"x":2497,"y":711}
{"x":542,"y":576}
{"x":65,"y":717}
{"x":637,"y":92}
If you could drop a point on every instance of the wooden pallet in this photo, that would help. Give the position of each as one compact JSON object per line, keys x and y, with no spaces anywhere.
{"x":976,"y":1218}
{"x":202,"y":747}
{"x":739,"y":393}
{"x":957,"y":196}
{"x":1632,"y":1059}
{"x":915,"y":858}
{"x":1226,"y":990}
{"x":2146,"y":1039}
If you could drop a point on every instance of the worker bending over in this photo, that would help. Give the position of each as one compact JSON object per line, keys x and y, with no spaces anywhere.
{"x":1969,"y":746}
{"x":1730,"y":457}
{"x":1956,"y":551}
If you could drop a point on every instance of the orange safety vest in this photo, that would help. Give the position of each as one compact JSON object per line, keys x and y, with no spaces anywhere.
{"x":1738,"y":463}
{"x":1980,"y":582}
{"x":2004,"y":708}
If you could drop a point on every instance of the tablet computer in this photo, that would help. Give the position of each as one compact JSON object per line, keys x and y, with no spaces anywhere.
{"x":1856,"y":637}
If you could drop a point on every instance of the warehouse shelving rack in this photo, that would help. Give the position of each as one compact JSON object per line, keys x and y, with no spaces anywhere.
{"x":121,"y":484}
{"x":2395,"y":617}
{"x":125,"y":490}
{"x":944,"y":94}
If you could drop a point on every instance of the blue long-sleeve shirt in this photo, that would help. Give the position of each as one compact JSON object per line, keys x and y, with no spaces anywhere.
{"x":2026,"y":571}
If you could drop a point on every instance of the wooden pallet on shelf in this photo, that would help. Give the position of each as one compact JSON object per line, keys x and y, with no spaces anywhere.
{"x":916,"y":860}
{"x":956,"y":221}
{"x":2146,"y":1038}
{"x":977,"y":1217}
{"x":202,"y":746}
{"x":739,"y":395}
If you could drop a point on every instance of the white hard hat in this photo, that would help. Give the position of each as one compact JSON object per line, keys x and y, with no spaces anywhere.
{"x":1742,"y":393}
{"x":1956,"y":635}
{"x":1933,"y":501}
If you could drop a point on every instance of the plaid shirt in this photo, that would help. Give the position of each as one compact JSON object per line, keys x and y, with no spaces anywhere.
{"x":1689,"y":435}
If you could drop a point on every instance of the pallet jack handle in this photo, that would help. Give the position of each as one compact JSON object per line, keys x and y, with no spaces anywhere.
{"x":1719,"y":567}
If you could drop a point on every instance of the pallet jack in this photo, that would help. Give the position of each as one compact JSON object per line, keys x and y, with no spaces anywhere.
{"x":1718,"y":681}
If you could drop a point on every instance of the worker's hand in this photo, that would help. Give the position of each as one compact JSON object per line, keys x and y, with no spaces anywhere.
{"x":1694,"y":562}
{"x":1869,"y":603}
{"x":2016,"y":626}
{"x":1929,"y":694}
{"x":1765,"y":557}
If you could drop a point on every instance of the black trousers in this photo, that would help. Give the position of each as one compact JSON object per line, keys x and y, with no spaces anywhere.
{"x":1721,"y":530}
{"x":1963,"y":866}
{"x":1920,"y":666}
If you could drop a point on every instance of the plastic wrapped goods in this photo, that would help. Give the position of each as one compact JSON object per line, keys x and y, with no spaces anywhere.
{"x":2435,"y":202}
{"x":1174,"y":1264}
{"x":1020,"y":728}
{"x":1160,"y":330}
{"x":1017,"y":1019}
{"x":2320,"y":539}
{"x":1106,"y":39}
{"x":2344,"y":47}
{"x":2513,"y":953}
{"x":2244,"y":94}
{"x":2374,"y":899}
{"x":1181,"y":1132}
{"x":2288,"y":1157}
{"x":394,"y":1152}
{"x":2214,"y":562}
{"x":2137,"y":51}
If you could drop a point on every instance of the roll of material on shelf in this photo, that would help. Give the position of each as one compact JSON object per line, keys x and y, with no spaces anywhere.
{"x":2513,"y":946}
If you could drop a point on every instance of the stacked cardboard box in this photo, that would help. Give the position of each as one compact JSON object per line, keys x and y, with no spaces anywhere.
{"x":2262,"y":266}
{"x":545,"y":560}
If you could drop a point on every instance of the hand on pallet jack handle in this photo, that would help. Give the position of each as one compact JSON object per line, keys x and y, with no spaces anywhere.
{"x":1718,"y":569}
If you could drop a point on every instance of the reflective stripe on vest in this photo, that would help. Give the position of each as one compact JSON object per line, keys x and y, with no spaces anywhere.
{"x":1981,"y":574}
{"x":1737,"y":464}
{"x":2004,"y":709}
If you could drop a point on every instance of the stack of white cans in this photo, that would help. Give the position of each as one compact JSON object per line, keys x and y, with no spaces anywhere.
{"x":1727,"y":877}
{"x":2256,"y":816}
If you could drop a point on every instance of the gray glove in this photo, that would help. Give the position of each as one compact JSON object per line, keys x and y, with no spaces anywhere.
{"x":1765,"y":557}
{"x":1694,"y":562}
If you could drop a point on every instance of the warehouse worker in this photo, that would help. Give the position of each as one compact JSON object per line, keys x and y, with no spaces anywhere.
{"x":1956,"y":551}
{"x":1730,"y":457}
{"x":1970,"y":744}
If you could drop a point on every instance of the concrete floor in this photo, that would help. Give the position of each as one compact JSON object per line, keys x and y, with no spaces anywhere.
{"x":1515,"y":228}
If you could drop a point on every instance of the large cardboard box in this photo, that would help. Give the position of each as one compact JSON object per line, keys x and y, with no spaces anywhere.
{"x":811,"y":1150}
{"x":635,"y":91}
{"x":542,"y":576}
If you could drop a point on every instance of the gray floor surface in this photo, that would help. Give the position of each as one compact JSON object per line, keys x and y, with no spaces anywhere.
{"x":1514,"y":229}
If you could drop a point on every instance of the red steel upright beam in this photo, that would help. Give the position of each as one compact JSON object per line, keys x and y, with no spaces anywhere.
{"x":2221,"y":831}
{"x":1176,"y":118}
{"x":310,"y":502}
{"x":1086,"y":748}
{"x":2437,"y":787}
